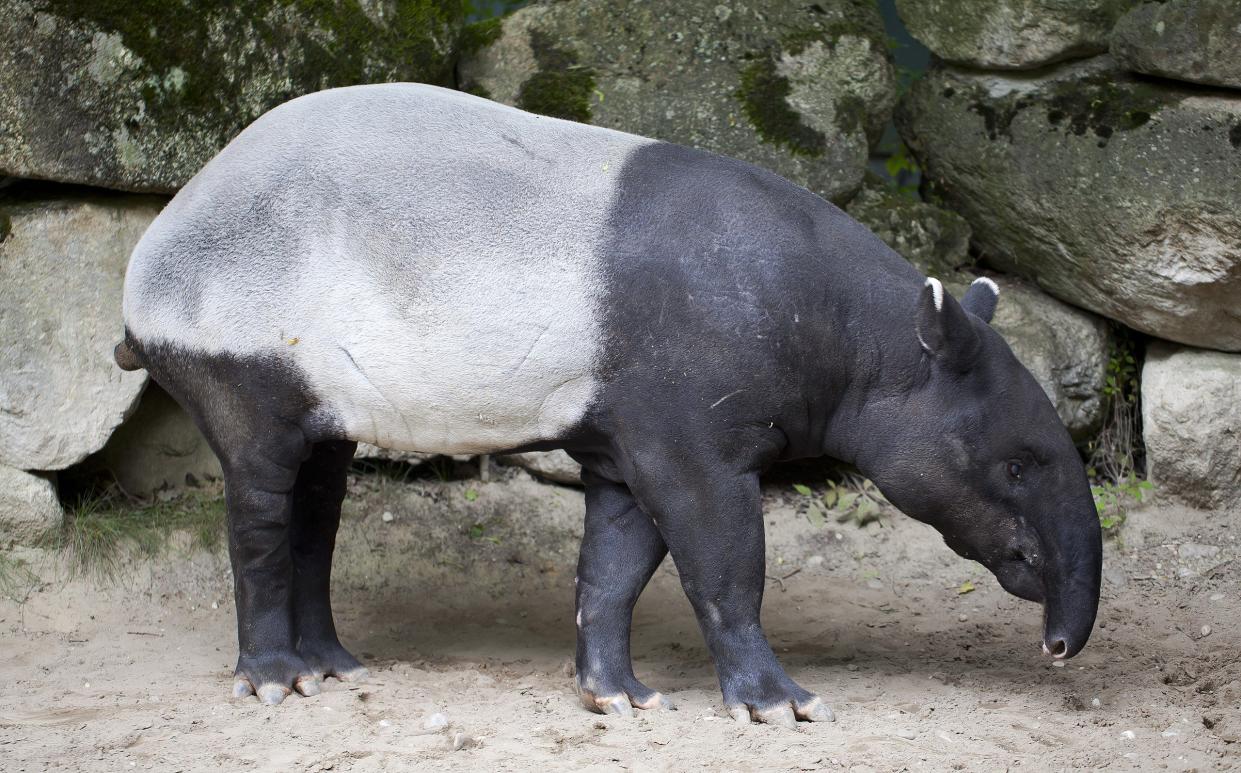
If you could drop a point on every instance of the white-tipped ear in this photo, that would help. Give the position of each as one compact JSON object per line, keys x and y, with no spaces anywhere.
{"x":937,"y":292}
{"x":981,"y":298}
{"x":944,"y":329}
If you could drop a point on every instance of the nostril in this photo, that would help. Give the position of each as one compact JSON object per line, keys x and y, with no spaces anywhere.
{"x":1016,"y":554}
{"x":1058,"y":649}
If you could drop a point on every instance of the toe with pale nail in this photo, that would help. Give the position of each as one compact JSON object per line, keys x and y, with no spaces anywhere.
{"x":783,"y":714}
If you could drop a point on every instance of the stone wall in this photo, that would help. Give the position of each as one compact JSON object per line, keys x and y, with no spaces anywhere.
{"x":1085,"y":155}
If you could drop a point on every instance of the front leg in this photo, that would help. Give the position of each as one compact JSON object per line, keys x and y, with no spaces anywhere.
{"x":712,"y":523}
{"x":620,"y":551}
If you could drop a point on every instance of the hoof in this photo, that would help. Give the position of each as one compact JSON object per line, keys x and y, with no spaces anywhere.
{"x":623,"y":703}
{"x":783,"y":714}
{"x":272,"y":694}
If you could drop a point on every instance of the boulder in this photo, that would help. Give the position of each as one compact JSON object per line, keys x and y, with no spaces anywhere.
{"x":1065,"y":348}
{"x":29,"y":507}
{"x":802,"y":89}
{"x":159,"y":447}
{"x":1118,"y":195}
{"x":1191,"y":423}
{"x":138,"y":96}
{"x":62,"y":263}
{"x":1011,"y":34}
{"x":1189,"y":40}
{"x":556,"y":466}
{"x":932,"y":238}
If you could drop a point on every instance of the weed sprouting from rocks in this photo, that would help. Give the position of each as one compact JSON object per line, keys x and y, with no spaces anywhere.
{"x":1116,"y":457}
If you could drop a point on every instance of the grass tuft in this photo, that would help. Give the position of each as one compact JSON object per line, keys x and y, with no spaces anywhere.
{"x":102,"y":527}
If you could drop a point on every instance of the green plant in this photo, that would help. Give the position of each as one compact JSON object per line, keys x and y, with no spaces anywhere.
{"x":101,"y":525}
{"x":1111,"y":499}
{"x":16,"y":579}
{"x":903,"y":171}
{"x":1116,"y":455}
{"x":853,"y":498}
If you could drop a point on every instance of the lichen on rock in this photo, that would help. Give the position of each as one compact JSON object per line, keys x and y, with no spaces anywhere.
{"x":1116,"y":194}
{"x":1190,"y":40}
{"x":933,"y":239}
{"x":804,"y":91}
{"x":1012,"y":34}
{"x":138,"y":94}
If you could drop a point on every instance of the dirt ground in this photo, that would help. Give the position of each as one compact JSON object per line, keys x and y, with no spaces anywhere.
{"x":461,"y":602}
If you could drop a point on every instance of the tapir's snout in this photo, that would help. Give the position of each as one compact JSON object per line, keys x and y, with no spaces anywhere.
{"x":1071,"y":579}
{"x":1069,"y":615}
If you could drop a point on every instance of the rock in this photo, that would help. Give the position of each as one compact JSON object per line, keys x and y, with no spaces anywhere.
{"x":933,"y":239}
{"x":1191,"y":423}
{"x":412,"y":458}
{"x":801,"y":89}
{"x":1117,"y":195}
{"x":138,"y":96}
{"x":1189,"y":40}
{"x":159,"y":448}
{"x":62,"y":262}
{"x":556,"y":466}
{"x":435,"y":721}
{"x":1066,"y":349}
{"x":29,"y":507}
{"x":1196,"y":551}
{"x":1011,"y":34}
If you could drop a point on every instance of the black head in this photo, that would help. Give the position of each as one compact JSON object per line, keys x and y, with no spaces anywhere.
{"x":977,"y":450}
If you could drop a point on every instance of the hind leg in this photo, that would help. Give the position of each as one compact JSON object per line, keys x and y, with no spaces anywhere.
{"x":260,"y":469}
{"x":317,"y":496}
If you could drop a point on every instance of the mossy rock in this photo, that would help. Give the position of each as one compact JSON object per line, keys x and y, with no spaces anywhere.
{"x":1116,"y":194}
{"x":804,"y":90}
{"x":933,"y":239}
{"x":1190,"y":40}
{"x":1012,"y":34}
{"x":138,"y":94}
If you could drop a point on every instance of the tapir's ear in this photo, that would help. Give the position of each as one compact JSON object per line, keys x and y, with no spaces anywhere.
{"x":981,"y":298}
{"x":944,"y":330}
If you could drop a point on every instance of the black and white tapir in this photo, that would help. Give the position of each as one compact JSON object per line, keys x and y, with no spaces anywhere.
{"x":423,"y":269}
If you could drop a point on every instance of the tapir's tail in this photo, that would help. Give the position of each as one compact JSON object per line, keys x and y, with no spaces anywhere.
{"x":125,"y":355}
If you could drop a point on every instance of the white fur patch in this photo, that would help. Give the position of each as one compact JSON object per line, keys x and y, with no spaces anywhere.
{"x":430,"y":260}
{"x":989,"y":284}
{"x":937,"y":292}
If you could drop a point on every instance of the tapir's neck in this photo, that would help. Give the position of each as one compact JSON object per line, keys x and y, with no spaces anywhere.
{"x":861,"y":353}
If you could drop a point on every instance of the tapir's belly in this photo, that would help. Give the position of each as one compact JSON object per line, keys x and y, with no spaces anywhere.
{"x":431,"y":263}
{"x":492,"y":362}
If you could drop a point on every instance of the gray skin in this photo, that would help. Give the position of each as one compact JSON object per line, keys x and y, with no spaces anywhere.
{"x":744,"y":321}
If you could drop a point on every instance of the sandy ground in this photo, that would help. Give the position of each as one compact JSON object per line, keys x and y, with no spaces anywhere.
{"x":463,"y":606}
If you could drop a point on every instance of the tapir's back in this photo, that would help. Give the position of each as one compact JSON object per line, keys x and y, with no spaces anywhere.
{"x":428,"y":260}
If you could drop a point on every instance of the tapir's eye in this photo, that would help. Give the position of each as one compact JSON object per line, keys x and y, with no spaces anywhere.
{"x":1014,"y":470}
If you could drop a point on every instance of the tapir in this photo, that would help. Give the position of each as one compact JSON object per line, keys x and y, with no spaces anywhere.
{"x":423,"y":269}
